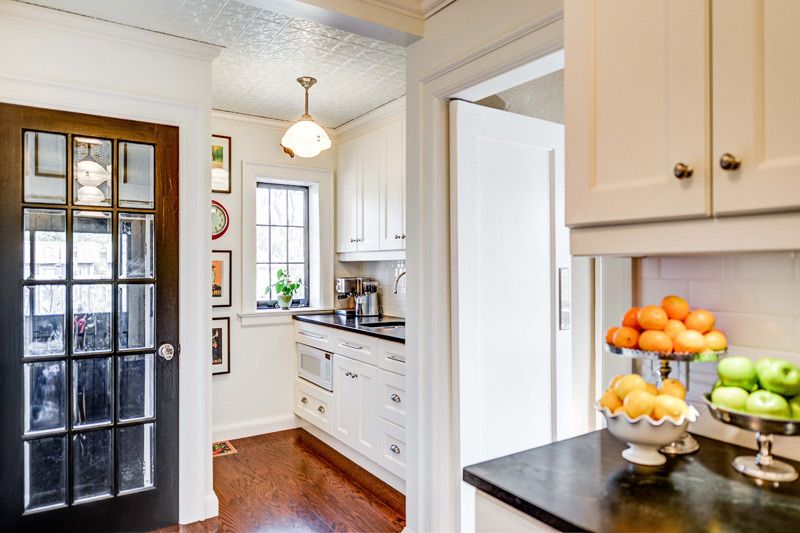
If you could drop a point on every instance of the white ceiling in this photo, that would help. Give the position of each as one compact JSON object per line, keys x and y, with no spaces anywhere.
{"x":265,"y":52}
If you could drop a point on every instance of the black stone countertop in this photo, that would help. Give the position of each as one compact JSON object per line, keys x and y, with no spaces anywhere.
{"x":356,"y":325}
{"x":584,"y":484}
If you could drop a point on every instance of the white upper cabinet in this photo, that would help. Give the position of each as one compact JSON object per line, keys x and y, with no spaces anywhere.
{"x":636,"y":103}
{"x":756,"y":106}
{"x":371,"y":190}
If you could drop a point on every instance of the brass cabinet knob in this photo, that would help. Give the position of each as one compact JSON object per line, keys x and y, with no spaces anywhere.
{"x":304,"y":400}
{"x":321,"y":409}
{"x":682,"y":170}
{"x":729,"y":162}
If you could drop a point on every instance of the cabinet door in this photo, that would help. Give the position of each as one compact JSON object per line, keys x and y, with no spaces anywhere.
{"x":366,"y":409}
{"x":393,"y":188}
{"x":345,"y":391}
{"x":756,"y":51}
{"x":636,"y":105}
{"x":347,"y":198}
{"x":371,"y":169}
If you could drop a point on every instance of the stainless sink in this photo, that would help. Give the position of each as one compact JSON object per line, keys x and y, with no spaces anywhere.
{"x":387,"y":325}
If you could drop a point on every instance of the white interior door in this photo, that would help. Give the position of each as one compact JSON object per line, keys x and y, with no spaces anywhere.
{"x":504,"y":168}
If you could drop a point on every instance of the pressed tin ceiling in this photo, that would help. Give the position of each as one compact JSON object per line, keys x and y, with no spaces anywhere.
{"x":265,"y":52}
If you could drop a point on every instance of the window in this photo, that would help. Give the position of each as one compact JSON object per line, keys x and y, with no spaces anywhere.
{"x":281,"y":240}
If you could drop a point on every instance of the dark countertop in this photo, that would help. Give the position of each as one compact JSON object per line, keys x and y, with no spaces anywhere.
{"x":584,"y":484}
{"x":356,"y":325}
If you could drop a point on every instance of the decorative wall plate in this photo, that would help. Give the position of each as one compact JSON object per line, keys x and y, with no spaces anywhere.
{"x":219,"y":220}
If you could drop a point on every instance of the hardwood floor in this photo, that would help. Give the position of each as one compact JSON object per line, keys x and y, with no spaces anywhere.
{"x":278,"y":482}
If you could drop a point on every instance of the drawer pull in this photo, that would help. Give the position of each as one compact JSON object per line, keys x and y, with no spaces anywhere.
{"x":305,"y":334}
{"x":352,"y":346}
{"x":348,"y":374}
{"x":395,"y":449}
{"x":321,"y":409}
{"x":395,"y":398}
{"x":353,"y":375}
{"x":398,"y":358}
{"x":304,"y":400}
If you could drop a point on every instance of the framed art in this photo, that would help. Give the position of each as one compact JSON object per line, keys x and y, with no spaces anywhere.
{"x":221,"y":278}
{"x":220,"y":164}
{"x":221,"y":346}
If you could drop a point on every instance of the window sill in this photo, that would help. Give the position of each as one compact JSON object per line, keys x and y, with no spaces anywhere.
{"x":270,"y":317}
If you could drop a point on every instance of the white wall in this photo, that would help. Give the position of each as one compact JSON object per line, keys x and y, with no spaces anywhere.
{"x":756,"y":298}
{"x":256,"y":397}
{"x":150,"y":77}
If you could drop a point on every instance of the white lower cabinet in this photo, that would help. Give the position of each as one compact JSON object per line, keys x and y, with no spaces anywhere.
{"x":367,"y":409}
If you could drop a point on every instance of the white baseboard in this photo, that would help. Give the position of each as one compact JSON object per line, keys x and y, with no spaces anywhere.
{"x":258,"y":426}
{"x":212,"y":505}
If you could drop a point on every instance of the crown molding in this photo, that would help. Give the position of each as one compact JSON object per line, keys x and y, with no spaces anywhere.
{"x":259,"y":122}
{"x":108,"y":30}
{"x":386,"y":110}
{"x":431,"y":7}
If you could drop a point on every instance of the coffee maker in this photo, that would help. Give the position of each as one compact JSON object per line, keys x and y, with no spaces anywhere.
{"x":357,"y":297}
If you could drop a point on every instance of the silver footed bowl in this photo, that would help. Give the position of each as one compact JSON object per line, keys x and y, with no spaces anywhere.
{"x":757,"y":423}
{"x":705,"y":357}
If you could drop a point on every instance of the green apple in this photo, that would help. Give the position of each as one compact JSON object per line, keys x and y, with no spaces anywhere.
{"x":707,"y":356}
{"x":763,"y":402}
{"x":737,"y":372}
{"x":780,"y":377}
{"x":763,"y":362}
{"x":730,"y":397}
{"x":794,"y":405}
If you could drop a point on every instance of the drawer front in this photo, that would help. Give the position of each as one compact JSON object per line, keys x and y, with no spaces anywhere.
{"x":392,"y":356}
{"x":392,"y":448}
{"x":392,"y":390}
{"x":359,"y":347}
{"x":313,"y":335}
{"x":313,"y":404}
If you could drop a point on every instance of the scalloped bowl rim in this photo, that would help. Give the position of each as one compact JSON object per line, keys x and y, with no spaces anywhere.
{"x":690,"y":415}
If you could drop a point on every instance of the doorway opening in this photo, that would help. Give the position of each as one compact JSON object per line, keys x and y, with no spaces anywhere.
{"x":518,"y":297}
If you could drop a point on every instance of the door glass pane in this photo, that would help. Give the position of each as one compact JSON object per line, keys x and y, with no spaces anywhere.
{"x":45,"y":477}
{"x":135,"y":328}
{"x":45,"y":167}
{"x":45,"y":396}
{"x":136,"y":246}
{"x":136,"y":174}
{"x":136,"y":446}
{"x":43,"y":312}
{"x":92,"y":465}
{"x":136,"y":391}
{"x":91,"y":391}
{"x":91,"y":318}
{"x":91,"y":245}
{"x":45,"y":244}
{"x":91,"y":168}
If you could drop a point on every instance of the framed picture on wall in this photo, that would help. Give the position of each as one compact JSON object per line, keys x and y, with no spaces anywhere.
{"x":221,"y":278}
{"x":221,"y":345}
{"x":220,"y":164}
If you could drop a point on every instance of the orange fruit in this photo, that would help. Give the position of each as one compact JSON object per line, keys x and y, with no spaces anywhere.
{"x":610,"y":334}
{"x":655,"y":341}
{"x":673,"y":387}
{"x":638,"y":403}
{"x":629,"y":319}
{"x":665,"y":405}
{"x":716,"y":340}
{"x":701,"y":320}
{"x":652,"y":389}
{"x":652,"y":317}
{"x":675,"y":306}
{"x":610,"y":400}
{"x":689,"y":341}
{"x":673,"y":327}
{"x":628,"y":384}
{"x":625,"y":337}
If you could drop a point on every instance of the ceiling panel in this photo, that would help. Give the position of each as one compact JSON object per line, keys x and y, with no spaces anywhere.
{"x":265,"y":52}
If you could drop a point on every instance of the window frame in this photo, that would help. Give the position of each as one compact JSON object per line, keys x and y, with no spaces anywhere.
{"x":297,"y":303}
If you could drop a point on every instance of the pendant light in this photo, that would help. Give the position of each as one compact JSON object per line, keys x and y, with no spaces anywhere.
{"x":305,"y":137}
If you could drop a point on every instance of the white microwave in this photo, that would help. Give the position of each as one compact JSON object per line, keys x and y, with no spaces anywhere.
{"x":315,"y":365}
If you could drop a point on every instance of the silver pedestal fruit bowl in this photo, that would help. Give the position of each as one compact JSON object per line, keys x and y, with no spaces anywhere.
{"x":644,"y":435}
{"x":763,"y":465}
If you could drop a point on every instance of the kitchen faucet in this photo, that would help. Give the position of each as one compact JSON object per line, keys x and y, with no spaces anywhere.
{"x":397,"y":280}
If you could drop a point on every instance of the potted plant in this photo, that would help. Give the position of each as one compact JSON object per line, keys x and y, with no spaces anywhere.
{"x":285,"y":288}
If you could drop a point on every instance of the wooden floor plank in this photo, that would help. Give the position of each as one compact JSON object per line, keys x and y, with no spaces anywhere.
{"x":278,"y":483}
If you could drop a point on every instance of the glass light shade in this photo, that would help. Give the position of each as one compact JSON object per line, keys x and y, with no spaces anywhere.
{"x":306,"y":138}
{"x":89,"y":165}
{"x":90,"y":195}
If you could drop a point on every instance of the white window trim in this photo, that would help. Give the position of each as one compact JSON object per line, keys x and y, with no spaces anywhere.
{"x":320,"y":234}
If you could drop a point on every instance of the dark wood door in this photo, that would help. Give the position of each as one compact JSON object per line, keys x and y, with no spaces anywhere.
{"x":89,"y":284}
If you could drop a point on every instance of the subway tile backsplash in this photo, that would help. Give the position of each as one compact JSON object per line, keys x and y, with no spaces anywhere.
{"x":385,"y":273}
{"x":756,"y":298}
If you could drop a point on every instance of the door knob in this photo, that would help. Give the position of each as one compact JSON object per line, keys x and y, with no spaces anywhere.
{"x":682,"y":170}
{"x":729,"y":162}
{"x":166,"y":351}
